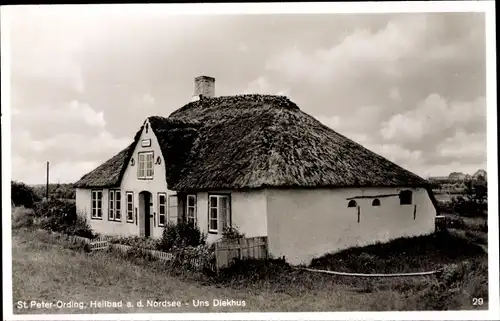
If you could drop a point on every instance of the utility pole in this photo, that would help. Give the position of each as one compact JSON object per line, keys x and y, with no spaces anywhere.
{"x":47,"y":188}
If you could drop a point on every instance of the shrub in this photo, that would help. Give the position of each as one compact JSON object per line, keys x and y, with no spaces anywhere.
{"x":180,"y":235}
{"x":23,"y":195}
{"x":60,"y":216}
{"x":22,"y":217}
{"x":474,"y":202}
{"x":200,"y":257}
{"x":135,"y":241}
{"x":232,"y":233}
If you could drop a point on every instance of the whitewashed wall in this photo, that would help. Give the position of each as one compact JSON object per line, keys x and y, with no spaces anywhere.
{"x":248,"y":210}
{"x":307,"y":223}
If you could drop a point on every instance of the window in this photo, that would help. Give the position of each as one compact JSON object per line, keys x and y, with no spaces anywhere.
{"x":162,"y":209}
{"x":405,"y":197}
{"x":219,"y":213}
{"x":97,"y":205}
{"x":191,"y":210}
{"x":172,"y":208}
{"x":352,"y":203}
{"x":130,"y":207}
{"x":145,"y":168}
{"x":114,"y":208}
{"x":376,"y":202}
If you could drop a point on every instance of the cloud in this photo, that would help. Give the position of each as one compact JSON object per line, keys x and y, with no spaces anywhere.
{"x":148,"y":99}
{"x":32,"y":171}
{"x":243,"y":47}
{"x":433,"y":116}
{"x":357,"y":53}
{"x":44,"y":121}
{"x":394,"y":94}
{"x":262,"y":85}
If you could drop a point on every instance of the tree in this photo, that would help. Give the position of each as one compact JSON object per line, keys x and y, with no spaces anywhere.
{"x":474,"y":201}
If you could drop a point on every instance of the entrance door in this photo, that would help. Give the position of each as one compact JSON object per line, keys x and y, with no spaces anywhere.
{"x":145,"y":216}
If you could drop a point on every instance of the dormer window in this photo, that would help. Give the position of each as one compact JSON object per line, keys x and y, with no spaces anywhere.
{"x":145,"y":169}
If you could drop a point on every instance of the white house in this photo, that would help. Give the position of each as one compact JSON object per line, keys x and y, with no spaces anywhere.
{"x":259,"y":163}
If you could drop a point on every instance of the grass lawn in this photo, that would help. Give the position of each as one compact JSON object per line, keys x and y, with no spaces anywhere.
{"x":46,"y":269}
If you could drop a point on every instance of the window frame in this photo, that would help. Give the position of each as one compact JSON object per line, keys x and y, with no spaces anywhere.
{"x":165,"y":206}
{"x":127,"y":193}
{"x":220,"y":228}
{"x":145,"y":162}
{"x":403,"y":195}
{"x":97,"y":208}
{"x":194,"y":207}
{"x":112,"y":210}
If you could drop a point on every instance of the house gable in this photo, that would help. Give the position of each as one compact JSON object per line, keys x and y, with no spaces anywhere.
{"x":145,"y":168}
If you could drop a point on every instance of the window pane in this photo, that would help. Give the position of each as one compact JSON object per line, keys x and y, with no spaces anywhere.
{"x":191,"y":200}
{"x":111,"y":194}
{"x":191,"y":212}
{"x":162,"y":219}
{"x":213,"y":213}
{"x":129,"y":197}
{"x":118,"y":215}
{"x":118,"y":205}
{"x":213,"y":224}
{"x":213,"y":201}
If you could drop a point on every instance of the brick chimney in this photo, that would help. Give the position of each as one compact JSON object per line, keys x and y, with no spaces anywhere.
{"x":203,"y":86}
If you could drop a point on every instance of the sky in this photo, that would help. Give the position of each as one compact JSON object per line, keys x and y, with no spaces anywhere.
{"x":410,"y":87}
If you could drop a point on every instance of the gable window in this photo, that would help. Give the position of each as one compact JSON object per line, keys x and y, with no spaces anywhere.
{"x":145,"y":169}
{"x":376,"y":202}
{"x":130,"y":207}
{"x":191,"y":210}
{"x":352,"y":203}
{"x":219,"y":213}
{"x":405,"y":197}
{"x":162,"y":209}
{"x":114,"y":208}
{"x":96,"y":205}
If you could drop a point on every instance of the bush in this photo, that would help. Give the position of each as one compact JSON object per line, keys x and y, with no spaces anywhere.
{"x":23,"y":195}
{"x":136,"y":241}
{"x":22,"y":217}
{"x":200,"y":257}
{"x":60,"y":216}
{"x":181,"y":235}
{"x":232,"y":233}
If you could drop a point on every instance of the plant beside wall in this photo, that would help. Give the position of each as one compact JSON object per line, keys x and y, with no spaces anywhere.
{"x":180,"y":235}
{"x":231,"y":233}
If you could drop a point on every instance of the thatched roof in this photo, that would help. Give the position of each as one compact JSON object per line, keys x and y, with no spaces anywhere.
{"x":255,"y":141}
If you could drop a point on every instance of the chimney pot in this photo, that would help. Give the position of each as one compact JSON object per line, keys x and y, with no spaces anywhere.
{"x":204,"y":86}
